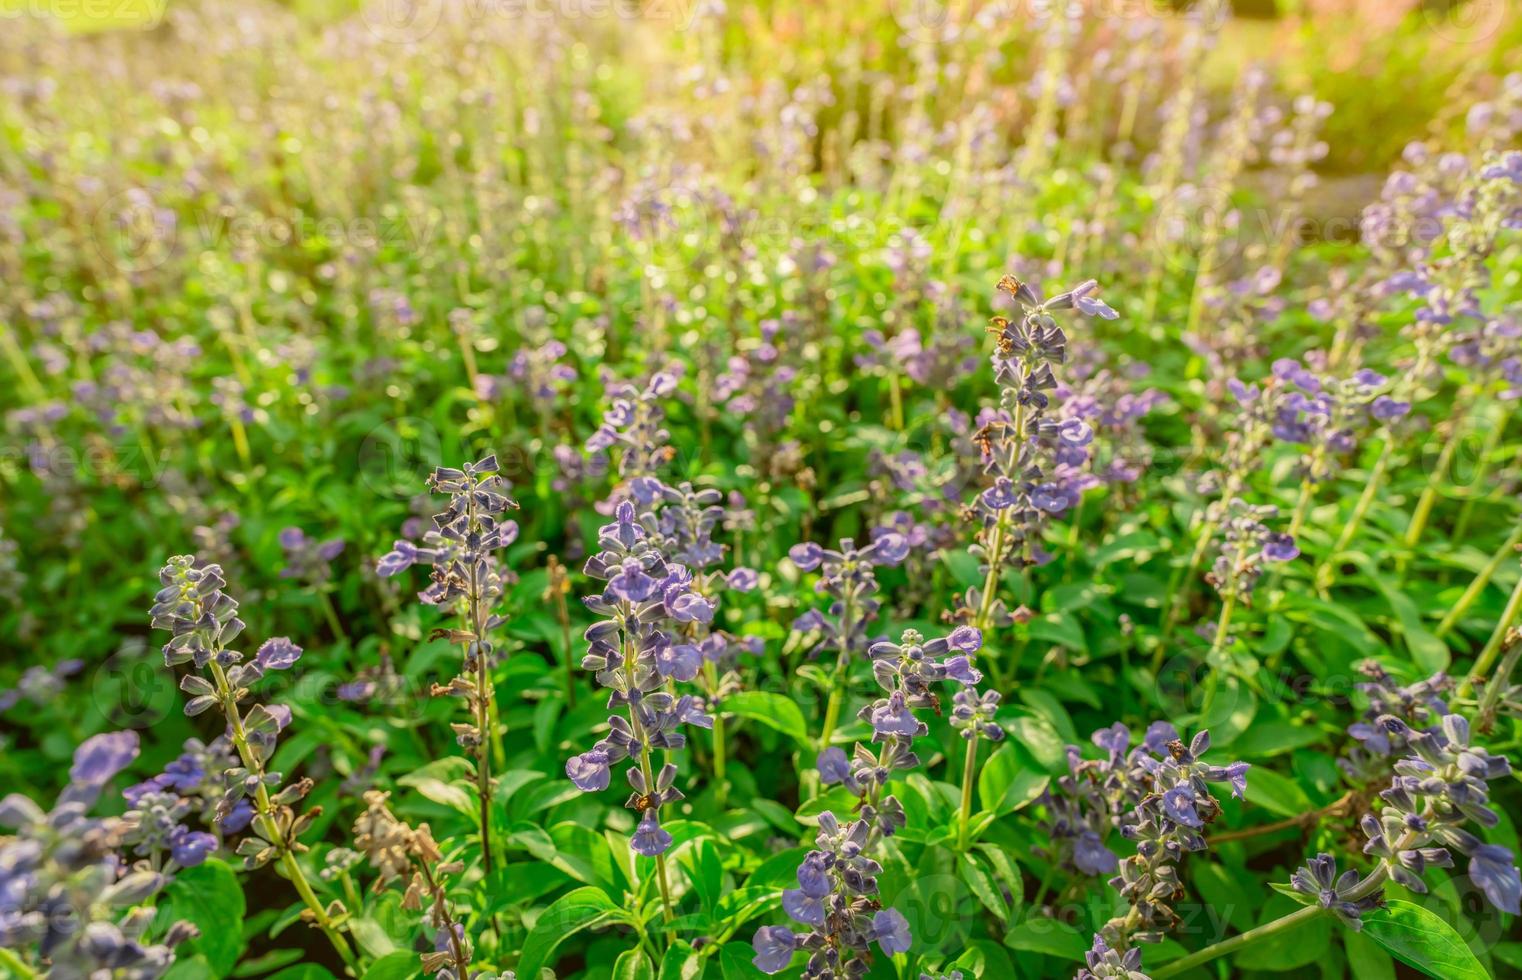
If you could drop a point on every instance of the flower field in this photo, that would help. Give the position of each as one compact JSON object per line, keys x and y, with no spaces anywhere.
{"x":667,"y":490}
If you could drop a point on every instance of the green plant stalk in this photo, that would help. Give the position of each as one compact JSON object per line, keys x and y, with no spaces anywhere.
{"x":969,"y":774}
{"x":721,"y":789}
{"x":832,"y":708}
{"x":1492,"y":649}
{"x":264,"y":807}
{"x":1477,"y":587}
{"x":1487,"y":714}
{"x":648,"y":771}
{"x":12,"y":962}
{"x":1237,"y":942}
{"x":1217,"y":646}
{"x":1179,"y":592}
{"x":20,"y":364}
{"x":331,"y":615}
{"x":1482,"y":470}
{"x":1428,"y":499}
{"x":1355,"y":520}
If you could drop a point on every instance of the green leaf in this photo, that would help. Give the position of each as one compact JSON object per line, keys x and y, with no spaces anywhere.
{"x":1048,"y":936}
{"x":400,"y":965}
{"x":982,"y":885}
{"x":681,"y":962}
{"x":1277,"y":793}
{"x":1365,"y":959}
{"x":735,"y":961}
{"x":633,"y":964}
{"x":371,"y":937}
{"x":772,"y":710}
{"x":1422,"y":940}
{"x":574,"y":911}
{"x":209,"y":896}
{"x":1010,"y":779}
{"x":305,"y":971}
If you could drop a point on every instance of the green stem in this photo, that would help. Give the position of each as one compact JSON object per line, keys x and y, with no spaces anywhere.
{"x":1492,"y":649}
{"x":331,"y":615}
{"x":1371,"y":488}
{"x":1487,"y":713}
{"x":1179,"y":592}
{"x":1477,"y":587}
{"x":265,"y":809}
{"x":1217,"y":645}
{"x":969,"y":774}
{"x":1482,"y":470}
{"x":1428,"y":499}
{"x":1239,"y":941}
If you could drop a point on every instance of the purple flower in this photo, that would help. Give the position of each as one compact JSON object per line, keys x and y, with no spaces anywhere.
{"x":681,"y":661}
{"x":1495,"y":871}
{"x":277,"y":653}
{"x":968,"y":639}
{"x":630,"y":582}
{"x":190,"y":847}
{"x":803,"y":907}
{"x":101,"y":757}
{"x":892,"y":931}
{"x":1179,"y":804}
{"x":893,"y":717}
{"x":1280,"y":547}
{"x":1091,"y":856}
{"x":774,"y":947}
{"x":806,"y":556}
{"x":742,"y":579}
{"x":833,"y":765}
{"x":589,"y":771}
{"x":889,"y":549}
{"x":650,"y":839}
{"x":402,"y":556}
{"x":961,"y":670}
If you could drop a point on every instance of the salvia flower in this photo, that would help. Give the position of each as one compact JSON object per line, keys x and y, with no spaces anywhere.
{"x":1166,"y":823}
{"x":1246,"y":543}
{"x":1318,"y":878}
{"x":632,"y":651}
{"x":837,"y":882}
{"x":70,"y":904}
{"x":1420,"y":705}
{"x":1437,"y":791}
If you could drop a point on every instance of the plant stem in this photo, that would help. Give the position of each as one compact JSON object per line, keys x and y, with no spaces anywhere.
{"x":1477,"y":587}
{"x":969,"y":773}
{"x":1492,"y":649}
{"x":1303,"y":820}
{"x":1482,"y":469}
{"x":331,"y":615}
{"x":1217,"y":645}
{"x":1486,"y":718}
{"x":265,"y":810}
{"x":1239,"y":941}
{"x":1355,"y":520}
{"x":1178,"y":590}
{"x":1428,"y":499}
{"x":721,"y":787}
